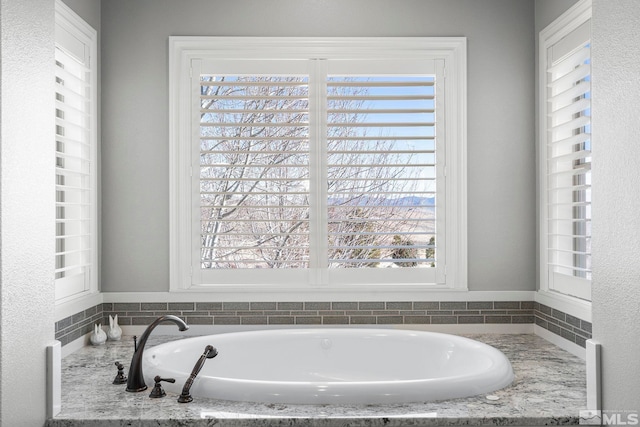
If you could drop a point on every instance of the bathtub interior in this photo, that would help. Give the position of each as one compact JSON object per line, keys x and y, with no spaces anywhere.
{"x":369,"y":366}
{"x":380,"y":356}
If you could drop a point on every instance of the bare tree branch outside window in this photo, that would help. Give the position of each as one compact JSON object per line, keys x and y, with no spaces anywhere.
{"x":255,"y":153}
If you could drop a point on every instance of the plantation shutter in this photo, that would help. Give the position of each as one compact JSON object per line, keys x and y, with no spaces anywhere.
{"x":381,"y":171}
{"x":253,"y":178}
{"x":310,"y":170}
{"x":569,"y":163}
{"x":75,"y":174}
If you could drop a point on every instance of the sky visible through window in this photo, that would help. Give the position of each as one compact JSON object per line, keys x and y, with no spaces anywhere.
{"x":380,"y":172}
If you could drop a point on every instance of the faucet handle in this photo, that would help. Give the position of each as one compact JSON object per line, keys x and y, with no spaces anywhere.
{"x":120,"y":377}
{"x":158,"y":391}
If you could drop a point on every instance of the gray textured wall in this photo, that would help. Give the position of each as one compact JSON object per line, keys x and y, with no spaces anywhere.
{"x":27,"y":215}
{"x":135,"y":174}
{"x":616,"y":185}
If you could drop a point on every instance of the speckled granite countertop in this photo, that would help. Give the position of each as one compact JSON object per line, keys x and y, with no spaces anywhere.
{"x":549,"y":389}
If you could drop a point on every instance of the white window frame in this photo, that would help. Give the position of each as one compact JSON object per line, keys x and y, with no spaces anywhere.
{"x":73,"y":33}
{"x":566,"y":289}
{"x":183,"y":51}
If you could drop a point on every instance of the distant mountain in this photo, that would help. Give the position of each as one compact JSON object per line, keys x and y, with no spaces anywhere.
{"x":413,"y":201}
{"x":401,"y":201}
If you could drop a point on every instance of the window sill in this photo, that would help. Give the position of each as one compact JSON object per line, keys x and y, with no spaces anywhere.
{"x":317,"y":295}
{"x":569,"y":305}
{"x":80,"y":303}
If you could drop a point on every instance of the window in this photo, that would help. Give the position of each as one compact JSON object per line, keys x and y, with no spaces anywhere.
{"x":566,"y":152}
{"x":313,"y":163}
{"x":76,"y":142}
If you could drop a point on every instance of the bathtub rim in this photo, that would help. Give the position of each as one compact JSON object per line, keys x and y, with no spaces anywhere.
{"x":413,"y":388}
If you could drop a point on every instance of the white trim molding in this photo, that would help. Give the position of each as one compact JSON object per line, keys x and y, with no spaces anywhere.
{"x":453,"y":296}
{"x":186,"y":54}
{"x":76,"y":44}
{"x":561,"y":40}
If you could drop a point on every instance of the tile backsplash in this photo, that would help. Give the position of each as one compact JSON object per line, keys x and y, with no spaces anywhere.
{"x":330,"y":313}
{"x":73,"y":327}
{"x":568,"y":327}
{"x":326,"y":313}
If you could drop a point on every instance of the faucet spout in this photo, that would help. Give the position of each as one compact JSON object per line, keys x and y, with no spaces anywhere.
{"x":135,"y":380}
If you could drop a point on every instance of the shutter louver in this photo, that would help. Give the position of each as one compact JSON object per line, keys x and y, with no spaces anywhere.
{"x":254,"y":171}
{"x":569,"y":165}
{"x":381,"y":171}
{"x":73,"y":169}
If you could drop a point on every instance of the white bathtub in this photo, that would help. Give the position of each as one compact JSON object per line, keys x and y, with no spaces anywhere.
{"x":320,"y":366}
